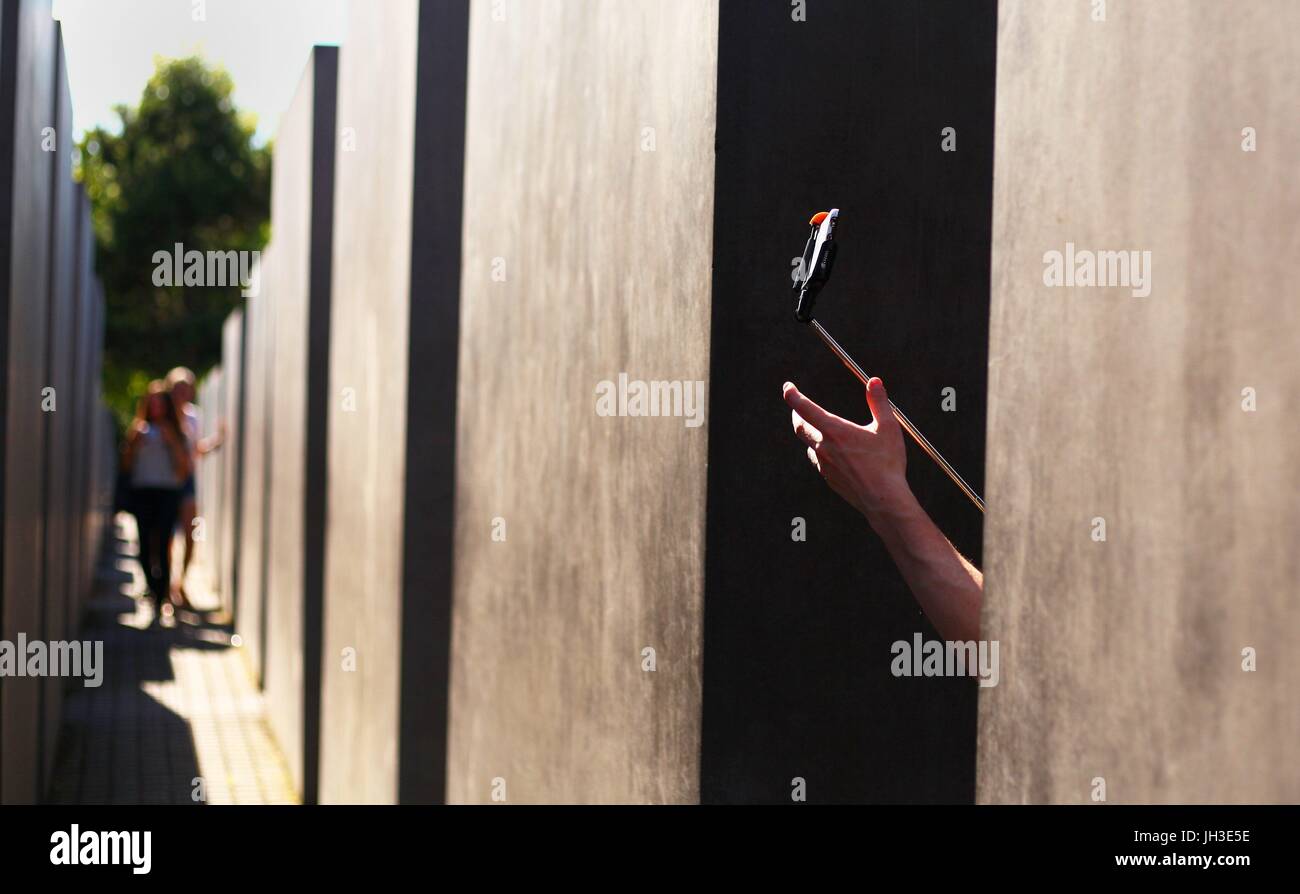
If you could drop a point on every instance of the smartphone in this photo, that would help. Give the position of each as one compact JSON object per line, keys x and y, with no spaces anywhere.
{"x":818,"y":257}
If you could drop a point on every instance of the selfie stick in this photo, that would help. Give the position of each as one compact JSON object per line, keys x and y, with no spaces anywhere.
{"x":818,"y":257}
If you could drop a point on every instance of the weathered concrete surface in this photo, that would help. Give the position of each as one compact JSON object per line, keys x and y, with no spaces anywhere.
{"x":257,"y":469}
{"x":401,"y":102}
{"x":367,"y":430}
{"x":85,"y":408}
{"x":391,"y":413}
{"x":80,"y":269}
{"x":27,"y":53}
{"x":231,"y":457}
{"x":61,"y":534}
{"x":605,"y":249}
{"x":1123,"y":659}
{"x":302,"y":207}
{"x":93,"y":480}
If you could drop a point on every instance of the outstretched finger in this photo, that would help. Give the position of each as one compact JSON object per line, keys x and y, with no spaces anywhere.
{"x":882,"y":412}
{"x":820,"y":419}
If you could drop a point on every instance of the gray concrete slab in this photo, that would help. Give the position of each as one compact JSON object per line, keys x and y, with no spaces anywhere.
{"x":587,"y":253}
{"x":629,"y":247}
{"x":94,"y":477}
{"x":396,"y":265}
{"x":60,"y":533}
{"x":302,"y":207}
{"x":231,"y":458}
{"x":257,"y":468}
{"x":26,"y":106}
{"x":1123,"y":658}
{"x":82,"y":401}
{"x":76,"y":449}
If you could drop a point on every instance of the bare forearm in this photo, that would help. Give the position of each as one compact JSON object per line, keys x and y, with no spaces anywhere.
{"x":948,"y":588}
{"x":867,"y":466}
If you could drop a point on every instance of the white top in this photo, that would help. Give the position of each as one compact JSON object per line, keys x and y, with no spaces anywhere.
{"x":153,"y":461}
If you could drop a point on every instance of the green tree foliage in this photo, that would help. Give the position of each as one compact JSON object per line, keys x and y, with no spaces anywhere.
{"x":183,"y":169}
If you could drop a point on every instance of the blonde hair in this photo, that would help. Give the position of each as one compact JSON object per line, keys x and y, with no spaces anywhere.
{"x":178,"y":375}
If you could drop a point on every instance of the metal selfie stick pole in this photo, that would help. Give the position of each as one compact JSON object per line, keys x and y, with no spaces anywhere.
{"x":921,"y":440}
{"x":819,"y":255}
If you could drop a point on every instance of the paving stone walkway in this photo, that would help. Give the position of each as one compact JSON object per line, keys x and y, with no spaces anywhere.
{"x":179,"y":719}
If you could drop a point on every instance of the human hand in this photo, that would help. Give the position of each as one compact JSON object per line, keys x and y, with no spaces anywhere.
{"x":864,"y":464}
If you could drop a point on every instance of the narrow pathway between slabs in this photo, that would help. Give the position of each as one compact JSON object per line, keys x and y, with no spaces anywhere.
{"x":178,"y":719}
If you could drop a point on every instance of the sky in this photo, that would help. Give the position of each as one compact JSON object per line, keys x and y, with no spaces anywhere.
{"x":263,"y":44}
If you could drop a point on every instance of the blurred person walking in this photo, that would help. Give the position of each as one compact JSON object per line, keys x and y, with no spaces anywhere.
{"x":157,"y":457}
{"x":180,"y":383}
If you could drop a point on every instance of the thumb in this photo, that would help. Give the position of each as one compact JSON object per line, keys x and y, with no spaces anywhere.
{"x":878,"y":401}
